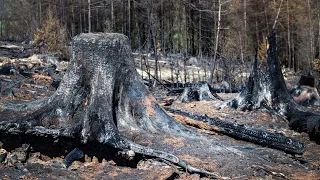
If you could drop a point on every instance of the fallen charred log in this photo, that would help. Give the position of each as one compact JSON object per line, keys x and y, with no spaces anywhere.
{"x":100,"y":98}
{"x":246,"y":133}
{"x":266,"y":90}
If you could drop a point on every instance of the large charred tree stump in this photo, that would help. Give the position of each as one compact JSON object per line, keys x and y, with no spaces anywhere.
{"x":100,"y":96}
{"x":266,"y":90}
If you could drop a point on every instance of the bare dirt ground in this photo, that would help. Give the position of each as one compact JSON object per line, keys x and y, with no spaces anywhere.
{"x":235,"y":160}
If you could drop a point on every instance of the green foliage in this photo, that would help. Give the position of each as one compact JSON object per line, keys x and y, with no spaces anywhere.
{"x":52,"y":35}
{"x":316,"y":65}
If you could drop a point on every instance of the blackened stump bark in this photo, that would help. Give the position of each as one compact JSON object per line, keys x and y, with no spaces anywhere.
{"x":198,"y":92}
{"x":100,"y":96}
{"x":266,"y":90}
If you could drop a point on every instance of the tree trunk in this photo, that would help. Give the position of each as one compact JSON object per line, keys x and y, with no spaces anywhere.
{"x":289,"y":41}
{"x":266,"y":15}
{"x":101,"y":95}
{"x":40,"y":13}
{"x":192,"y":22}
{"x":199,"y":37}
{"x":276,"y":20}
{"x":163,"y":38}
{"x":311,"y":37}
{"x":73,"y":25}
{"x":294,"y":60}
{"x":89,"y":16}
{"x":112,"y":16}
{"x":213,"y":64}
{"x":267,"y":90}
{"x":245,"y":30}
{"x":318,"y":32}
{"x":97,"y":21}
{"x":1,"y":31}
{"x":129,"y":19}
{"x":172,"y":49}
{"x":154,"y":40}
{"x":142,"y":60}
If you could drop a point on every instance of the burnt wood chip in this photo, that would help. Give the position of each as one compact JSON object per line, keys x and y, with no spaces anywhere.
{"x":72,"y":156}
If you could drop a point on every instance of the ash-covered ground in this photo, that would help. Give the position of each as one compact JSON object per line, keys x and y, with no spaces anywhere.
{"x":29,"y":77}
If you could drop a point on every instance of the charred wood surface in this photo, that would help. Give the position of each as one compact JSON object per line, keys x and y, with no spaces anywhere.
{"x":266,"y":90}
{"x":100,"y":96}
{"x":200,"y":92}
{"x":72,"y":156}
{"x":247,"y":133}
{"x":178,"y":91}
{"x":195,"y":92}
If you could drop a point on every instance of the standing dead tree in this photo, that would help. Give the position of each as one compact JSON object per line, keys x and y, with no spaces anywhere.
{"x":266,"y":90}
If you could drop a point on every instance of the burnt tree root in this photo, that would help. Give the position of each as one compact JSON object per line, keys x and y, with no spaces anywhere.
{"x":246,"y":133}
{"x":100,"y":98}
{"x":266,"y":90}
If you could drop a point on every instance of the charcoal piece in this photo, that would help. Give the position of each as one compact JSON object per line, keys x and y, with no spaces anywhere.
{"x":75,"y":154}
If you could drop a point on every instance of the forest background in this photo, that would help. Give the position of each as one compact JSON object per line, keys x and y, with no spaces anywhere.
{"x":210,"y":30}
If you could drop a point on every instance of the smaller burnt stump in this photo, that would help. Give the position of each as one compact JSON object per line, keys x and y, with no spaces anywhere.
{"x":266,"y":90}
{"x":197,"y":92}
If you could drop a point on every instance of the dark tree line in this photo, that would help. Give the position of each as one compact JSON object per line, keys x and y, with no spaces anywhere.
{"x":212,"y":29}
